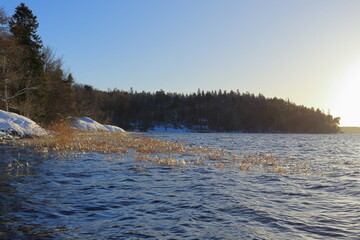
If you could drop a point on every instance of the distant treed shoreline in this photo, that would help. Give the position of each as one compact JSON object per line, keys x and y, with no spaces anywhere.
{"x":216,"y":111}
{"x":350,"y":130}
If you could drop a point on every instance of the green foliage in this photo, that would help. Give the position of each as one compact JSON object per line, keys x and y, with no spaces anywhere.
{"x":23,"y":25}
{"x":69,"y":80}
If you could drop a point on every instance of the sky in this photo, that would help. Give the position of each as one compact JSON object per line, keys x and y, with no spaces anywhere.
{"x":306,"y":51}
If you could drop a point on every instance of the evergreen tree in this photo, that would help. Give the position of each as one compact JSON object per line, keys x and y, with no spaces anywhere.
{"x":23,"y":26}
{"x":69,"y":80}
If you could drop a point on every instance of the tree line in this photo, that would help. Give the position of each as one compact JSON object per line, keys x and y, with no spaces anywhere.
{"x":34,"y":83}
{"x":215,"y":111}
{"x":33,"y":80}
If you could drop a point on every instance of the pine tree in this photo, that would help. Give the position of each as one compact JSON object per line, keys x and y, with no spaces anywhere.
{"x":69,"y":80}
{"x":23,"y":26}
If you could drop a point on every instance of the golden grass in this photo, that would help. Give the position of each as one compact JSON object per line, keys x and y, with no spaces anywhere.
{"x":69,"y":142}
{"x":64,"y":138}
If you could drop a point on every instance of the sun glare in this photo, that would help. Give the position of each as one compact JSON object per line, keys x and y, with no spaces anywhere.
{"x":347,"y":96}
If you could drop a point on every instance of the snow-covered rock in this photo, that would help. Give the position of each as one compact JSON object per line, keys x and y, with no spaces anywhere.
{"x":86,"y":123}
{"x":12,"y":124}
{"x":112,"y":128}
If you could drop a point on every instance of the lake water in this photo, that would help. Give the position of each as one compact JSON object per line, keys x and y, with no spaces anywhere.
{"x":93,"y":196}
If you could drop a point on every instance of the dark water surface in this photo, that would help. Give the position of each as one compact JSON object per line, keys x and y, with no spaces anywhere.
{"x":93,"y":196}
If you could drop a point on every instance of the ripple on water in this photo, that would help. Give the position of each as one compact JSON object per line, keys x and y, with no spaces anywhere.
{"x":89,"y":197}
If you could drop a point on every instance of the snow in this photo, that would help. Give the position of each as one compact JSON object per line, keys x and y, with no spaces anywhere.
{"x":86,"y":123}
{"x":112,"y":128}
{"x":169,"y":129}
{"x":12,"y":124}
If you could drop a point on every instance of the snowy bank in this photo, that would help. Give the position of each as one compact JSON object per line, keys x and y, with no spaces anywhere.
{"x":12,"y":124}
{"x":85,"y":123}
{"x":168,"y":128}
{"x":112,"y":128}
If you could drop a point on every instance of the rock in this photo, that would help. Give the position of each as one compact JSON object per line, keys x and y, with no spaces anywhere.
{"x":14,"y":125}
{"x":86,"y":123}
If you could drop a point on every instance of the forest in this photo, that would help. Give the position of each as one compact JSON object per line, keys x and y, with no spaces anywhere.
{"x":33,"y":83}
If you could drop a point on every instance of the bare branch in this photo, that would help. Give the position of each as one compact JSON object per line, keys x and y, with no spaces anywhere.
{"x":22,"y":91}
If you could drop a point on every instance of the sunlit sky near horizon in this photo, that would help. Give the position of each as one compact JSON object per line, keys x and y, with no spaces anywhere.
{"x":306,"y":51}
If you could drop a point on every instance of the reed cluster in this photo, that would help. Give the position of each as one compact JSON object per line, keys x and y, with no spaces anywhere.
{"x":66,"y":142}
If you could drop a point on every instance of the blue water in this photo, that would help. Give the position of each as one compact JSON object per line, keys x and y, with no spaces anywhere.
{"x":93,"y":196}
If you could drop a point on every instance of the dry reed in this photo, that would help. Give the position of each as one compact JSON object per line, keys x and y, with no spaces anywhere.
{"x":66,"y":142}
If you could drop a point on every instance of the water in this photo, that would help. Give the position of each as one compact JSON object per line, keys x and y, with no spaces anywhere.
{"x":97,"y":197}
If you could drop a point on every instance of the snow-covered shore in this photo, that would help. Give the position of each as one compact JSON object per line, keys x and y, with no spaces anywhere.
{"x":86,"y":123}
{"x":168,"y":129}
{"x":13,"y":125}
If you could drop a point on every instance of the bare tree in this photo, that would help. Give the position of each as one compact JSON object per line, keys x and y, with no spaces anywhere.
{"x":11,"y":73}
{"x":60,"y":102}
{"x":11,"y":68}
{"x":4,"y":29}
{"x":4,"y":19}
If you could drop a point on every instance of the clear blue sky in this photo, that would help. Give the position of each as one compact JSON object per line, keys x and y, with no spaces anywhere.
{"x":305,"y":50}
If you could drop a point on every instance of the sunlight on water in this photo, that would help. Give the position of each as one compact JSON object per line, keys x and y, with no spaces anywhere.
{"x":116,"y":196}
{"x":68,"y":143}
